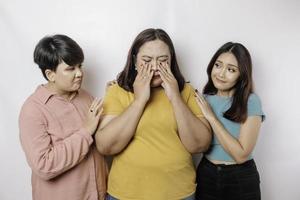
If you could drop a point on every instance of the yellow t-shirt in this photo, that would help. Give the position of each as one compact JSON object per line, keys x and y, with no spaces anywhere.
{"x":155,"y":165}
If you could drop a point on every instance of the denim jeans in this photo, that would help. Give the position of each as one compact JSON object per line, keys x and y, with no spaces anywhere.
{"x":227,"y":182}
{"x":192,"y":197}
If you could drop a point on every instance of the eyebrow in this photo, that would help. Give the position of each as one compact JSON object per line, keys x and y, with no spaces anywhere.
{"x":165,"y":56}
{"x":228,"y":64}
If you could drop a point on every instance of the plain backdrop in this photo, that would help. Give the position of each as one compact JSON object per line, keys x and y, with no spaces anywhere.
{"x":270,"y":29}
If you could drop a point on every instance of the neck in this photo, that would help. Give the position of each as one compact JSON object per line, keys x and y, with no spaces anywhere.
{"x":64,"y":94}
{"x":225,"y":93}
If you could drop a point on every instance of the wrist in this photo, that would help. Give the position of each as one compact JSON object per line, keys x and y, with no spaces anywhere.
{"x":139,"y":103}
{"x":212,"y":119}
{"x":176,"y":98}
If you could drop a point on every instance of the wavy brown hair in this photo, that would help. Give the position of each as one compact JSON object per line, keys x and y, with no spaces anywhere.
{"x":127,"y":76}
{"x":243,"y":87}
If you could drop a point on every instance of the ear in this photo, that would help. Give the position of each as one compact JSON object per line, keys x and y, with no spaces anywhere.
{"x":50,"y":75}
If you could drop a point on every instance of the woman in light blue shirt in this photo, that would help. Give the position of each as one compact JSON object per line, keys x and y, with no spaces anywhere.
{"x":227,"y":170}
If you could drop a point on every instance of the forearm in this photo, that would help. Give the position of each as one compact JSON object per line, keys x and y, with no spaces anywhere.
{"x":50,"y":160}
{"x":230,"y":144}
{"x":194,"y":134}
{"x":113,"y":137}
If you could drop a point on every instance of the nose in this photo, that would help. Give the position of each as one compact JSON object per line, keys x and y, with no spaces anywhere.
{"x":154,"y":66}
{"x":79,"y":72}
{"x":222,"y":72}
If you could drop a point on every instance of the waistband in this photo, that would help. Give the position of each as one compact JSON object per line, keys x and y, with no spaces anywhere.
{"x":249,"y":163}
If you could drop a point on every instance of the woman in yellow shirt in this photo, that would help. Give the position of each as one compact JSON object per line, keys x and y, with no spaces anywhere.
{"x":151,"y":125}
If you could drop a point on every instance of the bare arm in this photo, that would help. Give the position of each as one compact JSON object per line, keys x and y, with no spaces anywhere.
{"x":195,"y":133}
{"x":115,"y":132}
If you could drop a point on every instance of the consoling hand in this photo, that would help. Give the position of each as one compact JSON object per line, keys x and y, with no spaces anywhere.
{"x":110,"y":83}
{"x":93,"y":115}
{"x":141,"y":85}
{"x":169,"y":81}
{"x":205,"y":107}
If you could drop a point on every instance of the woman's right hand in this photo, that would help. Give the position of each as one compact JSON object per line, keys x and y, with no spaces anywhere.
{"x":141,"y":85}
{"x":93,"y":116}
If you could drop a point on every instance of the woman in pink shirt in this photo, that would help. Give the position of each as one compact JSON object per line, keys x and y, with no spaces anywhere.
{"x":57,"y":123}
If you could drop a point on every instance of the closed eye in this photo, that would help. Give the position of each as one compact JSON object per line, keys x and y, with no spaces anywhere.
{"x":70,"y":68}
{"x":217,"y":65}
{"x":163,"y":60}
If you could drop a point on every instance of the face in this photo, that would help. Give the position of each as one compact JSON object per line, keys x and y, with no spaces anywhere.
{"x":153,"y":53}
{"x":66,"y":78}
{"x":225,"y":73}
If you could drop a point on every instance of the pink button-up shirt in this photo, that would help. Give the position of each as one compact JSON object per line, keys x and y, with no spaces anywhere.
{"x":64,"y":161}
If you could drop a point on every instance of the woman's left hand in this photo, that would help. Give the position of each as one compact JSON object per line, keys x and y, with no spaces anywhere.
{"x":169,"y":81}
{"x":110,"y":83}
{"x":205,"y":107}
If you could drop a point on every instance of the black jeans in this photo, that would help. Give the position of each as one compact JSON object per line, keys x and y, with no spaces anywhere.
{"x":232,"y":182}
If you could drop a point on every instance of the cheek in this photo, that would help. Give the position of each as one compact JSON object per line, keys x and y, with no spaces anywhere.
{"x":233,"y":79}
{"x":139,"y":61}
{"x":213,"y":73}
{"x":66,"y":78}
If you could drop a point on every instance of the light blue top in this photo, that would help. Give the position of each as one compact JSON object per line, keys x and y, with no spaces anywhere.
{"x":220,"y":105}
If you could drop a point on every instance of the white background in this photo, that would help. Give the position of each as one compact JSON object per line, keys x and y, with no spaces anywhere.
{"x":270,"y":29}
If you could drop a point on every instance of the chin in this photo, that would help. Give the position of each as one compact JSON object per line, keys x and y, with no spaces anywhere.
{"x":75,"y":89}
{"x":156,"y":82}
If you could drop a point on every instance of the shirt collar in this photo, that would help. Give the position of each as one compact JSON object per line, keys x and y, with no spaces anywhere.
{"x":44,"y":94}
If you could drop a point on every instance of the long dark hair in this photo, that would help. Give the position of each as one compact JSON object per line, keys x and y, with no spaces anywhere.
{"x":243,"y":87}
{"x":127,"y":76}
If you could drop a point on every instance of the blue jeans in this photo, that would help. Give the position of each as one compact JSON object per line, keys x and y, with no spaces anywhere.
{"x":192,"y":197}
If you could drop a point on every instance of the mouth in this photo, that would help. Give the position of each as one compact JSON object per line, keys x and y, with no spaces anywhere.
{"x":219,"y":80}
{"x":156,"y":77}
{"x":78,"y":81}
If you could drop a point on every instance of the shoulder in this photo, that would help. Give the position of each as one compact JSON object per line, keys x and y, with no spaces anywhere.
{"x":188,"y":89}
{"x":115,"y":89}
{"x":83,"y":94}
{"x":254,"y":100}
{"x":31,"y":108}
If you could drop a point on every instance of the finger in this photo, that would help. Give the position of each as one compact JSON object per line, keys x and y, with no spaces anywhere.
{"x":163,"y":73}
{"x":168,"y":68}
{"x":201,"y":99}
{"x":150,"y":75}
{"x":140,"y":70}
{"x":98,"y":115}
{"x":92,"y":106}
{"x":149,"y":69}
{"x":99,"y":105}
{"x":168,"y":74}
{"x":198,"y":98}
{"x":144,"y":71}
{"x":162,"y":76}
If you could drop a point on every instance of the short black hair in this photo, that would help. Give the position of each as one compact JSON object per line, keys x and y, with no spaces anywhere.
{"x":52,"y":50}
